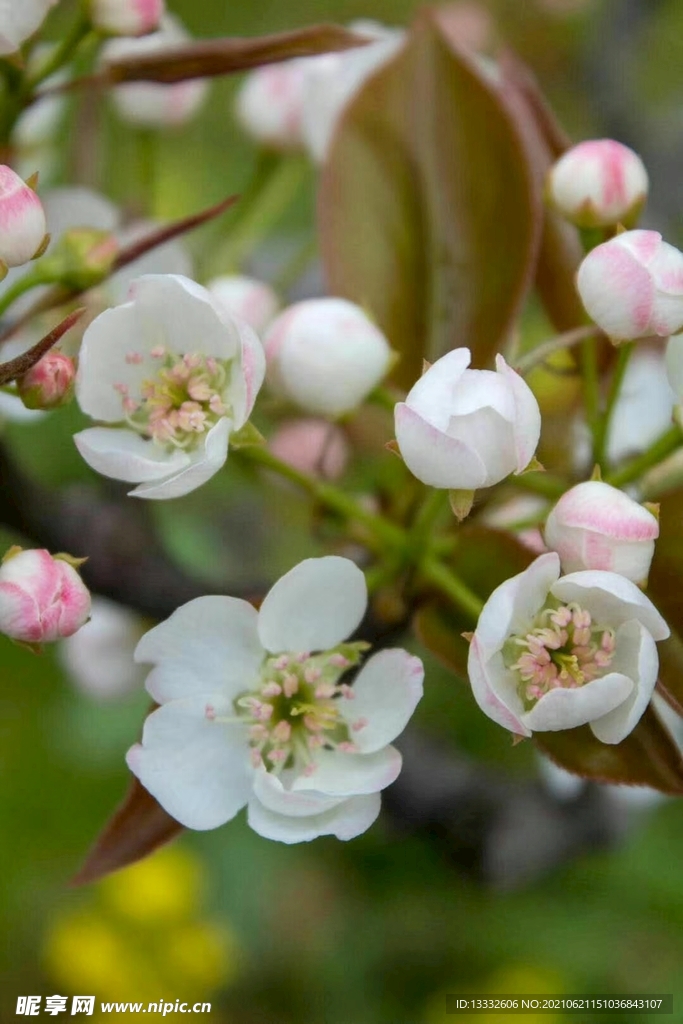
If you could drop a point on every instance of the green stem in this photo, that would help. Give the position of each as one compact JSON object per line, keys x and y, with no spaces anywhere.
{"x":602,"y":426}
{"x":62,"y":54}
{"x":450,"y":586}
{"x":427,"y":514}
{"x":591,"y":385}
{"x":548,"y":348}
{"x":662,"y":447}
{"x":266,"y":208}
{"x":30,"y":280}
{"x":541,"y":483}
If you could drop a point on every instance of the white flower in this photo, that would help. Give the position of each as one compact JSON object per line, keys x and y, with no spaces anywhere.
{"x":22,"y":218}
{"x":255,"y":709}
{"x":554,"y":653}
{"x":632,"y":286}
{"x":252,"y":301}
{"x":595,"y":526}
{"x":332,"y":80}
{"x":126,"y":17}
{"x":463,"y":429}
{"x":19,"y":19}
{"x":176,"y":375}
{"x":325,"y":355}
{"x":154,"y":104}
{"x":598,"y":183}
{"x":99,"y":657}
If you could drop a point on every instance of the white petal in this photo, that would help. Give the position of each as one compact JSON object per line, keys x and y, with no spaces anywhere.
{"x":181,"y":315}
{"x":636,"y":655}
{"x":102,"y":363}
{"x":487,"y":433}
{"x":246,"y":382}
{"x":385,"y":693}
{"x":124,"y":455}
{"x":200,"y":467}
{"x":432,"y":395}
{"x":346,"y":821}
{"x":512,"y":606}
{"x":209,"y":645}
{"x":339,"y":774}
{"x":494,"y":689}
{"x":567,"y":709}
{"x":315,"y":606}
{"x":280,"y":799}
{"x":432,"y":456}
{"x":611,"y":600}
{"x":196,"y":768}
{"x":527,"y":421}
{"x":674,"y":365}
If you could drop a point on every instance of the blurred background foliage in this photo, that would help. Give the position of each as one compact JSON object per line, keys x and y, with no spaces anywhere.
{"x":478,"y":877}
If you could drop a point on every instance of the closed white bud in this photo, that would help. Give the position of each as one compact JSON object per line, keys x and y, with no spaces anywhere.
{"x":22,"y":220}
{"x":325,"y":355}
{"x":599,"y":183}
{"x":126,"y":17}
{"x":269,"y":104}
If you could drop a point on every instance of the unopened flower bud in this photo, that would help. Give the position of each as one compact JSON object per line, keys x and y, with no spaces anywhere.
{"x":596,"y":526}
{"x":22,"y":220}
{"x":126,"y":17}
{"x":598,"y":183}
{"x":312,"y":446}
{"x":269,"y":104}
{"x":42,"y":598}
{"x":252,"y":301}
{"x":463,"y":429}
{"x":82,"y":257}
{"x":632,"y":286}
{"x":48,"y":384}
{"x":325,"y":355}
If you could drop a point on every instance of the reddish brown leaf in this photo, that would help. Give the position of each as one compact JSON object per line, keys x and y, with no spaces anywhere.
{"x":211,"y":57}
{"x":429,"y":212}
{"x":21,"y":364}
{"x":647,"y":757}
{"x":138,"y":827}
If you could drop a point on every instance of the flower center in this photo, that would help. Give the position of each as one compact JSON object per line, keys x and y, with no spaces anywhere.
{"x":564,"y":649}
{"x":294,"y":709}
{"x":181,"y":402}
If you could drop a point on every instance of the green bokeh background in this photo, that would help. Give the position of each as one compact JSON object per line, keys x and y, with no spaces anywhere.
{"x":379,"y":930}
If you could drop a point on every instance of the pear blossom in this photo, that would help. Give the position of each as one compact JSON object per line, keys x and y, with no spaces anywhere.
{"x":42,"y":598}
{"x":463,"y":429}
{"x":632,"y":286}
{"x":256,"y":709}
{"x":552,"y":653}
{"x":173,"y":375}
{"x":154,"y":104}
{"x":126,"y":17}
{"x":269,"y":103}
{"x":22,"y":220}
{"x":598,"y":183}
{"x":333,"y":79}
{"x":19,"y":19}
{"x":596,"y":526}
{"x":325,"y":355}
{"x":252,"y":301}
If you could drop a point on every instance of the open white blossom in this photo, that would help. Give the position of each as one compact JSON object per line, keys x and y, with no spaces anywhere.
{"x":255,"y":709}
{"x":553,"y":653}
{"x":175,"y":375}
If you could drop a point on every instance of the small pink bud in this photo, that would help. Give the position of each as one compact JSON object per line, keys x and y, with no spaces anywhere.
{"x":49,"y":383}
{"x":126,"y":17}
{"x":596,"y":526}
{"x":312,"y":446}
{"x":632,"y":286}
{"x":269,"y":104}
{"x":42,"y":598}
{"x":599,"y":183}
{"x":22,"y":220}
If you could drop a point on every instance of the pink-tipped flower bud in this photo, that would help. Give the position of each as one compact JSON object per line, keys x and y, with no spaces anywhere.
{"x":595,"y":526}
{"x":598,"y":183}
{"x":252,"y":301}
{"x":22,"y":220}
{"x":325,"y":355}
{"x":49,"y":383}
{"x":42,"y":598}
{"x":632,"y":286}
{"x":312,"y":446}
{"x":269,"y":104}
{"x":126,"y":17}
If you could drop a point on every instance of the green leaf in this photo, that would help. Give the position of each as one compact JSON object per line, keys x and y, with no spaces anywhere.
{"x":429,"y":211}
{"x":647,"y":757}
